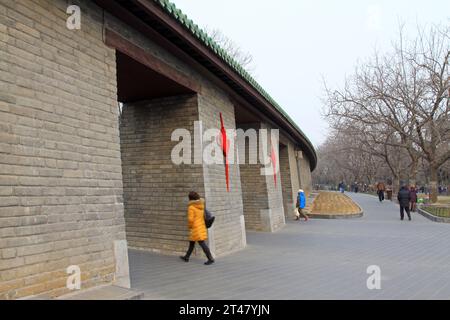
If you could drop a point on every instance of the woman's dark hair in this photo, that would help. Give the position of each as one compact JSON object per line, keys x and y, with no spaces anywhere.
{"x":194,"y":195}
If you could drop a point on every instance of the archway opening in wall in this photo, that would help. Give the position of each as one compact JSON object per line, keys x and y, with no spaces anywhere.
{"x":153,"y":104}
{"x":137,"y":82}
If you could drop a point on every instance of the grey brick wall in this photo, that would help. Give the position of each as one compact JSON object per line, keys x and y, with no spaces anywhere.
{"x":156,"y":189}
{"x":60,"y":167}
{"x":254,"y":188}
{"x":228,"y":232}
{"x":294,"y":176}
{"x":305,"y":174}
{"x":263,"y":201}
{"x":286,"y":183}
{"x":275,"y":195}
{"x":290,"y":178}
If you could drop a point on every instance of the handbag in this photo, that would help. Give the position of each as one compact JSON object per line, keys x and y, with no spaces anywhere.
{"x":209,"y":218}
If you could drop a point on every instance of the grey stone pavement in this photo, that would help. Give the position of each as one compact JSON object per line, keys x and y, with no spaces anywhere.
{"x":320,"y":259}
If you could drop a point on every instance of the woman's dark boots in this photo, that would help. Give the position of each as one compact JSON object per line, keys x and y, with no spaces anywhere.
{"x":205,"y":250}
{"x":208,"y":255}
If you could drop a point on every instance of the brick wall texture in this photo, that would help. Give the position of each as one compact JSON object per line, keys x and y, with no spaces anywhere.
{"x":227,"y":234}
{"x":305,"y":174}
{"x":294,"y":177}
{"x":156,"y":189}
{"x":263,"y":200}
{"x":254,"y":189}
{"x":286,"y":183}
{"x":290,"y":177}
{"x":60,"y":168}
{"x":274,"y":192}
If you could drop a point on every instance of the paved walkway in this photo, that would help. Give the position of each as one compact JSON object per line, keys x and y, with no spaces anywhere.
{"x":320,"y":259}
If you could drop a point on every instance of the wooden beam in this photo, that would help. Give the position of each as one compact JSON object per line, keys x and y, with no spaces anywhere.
{"x":116,"y":41}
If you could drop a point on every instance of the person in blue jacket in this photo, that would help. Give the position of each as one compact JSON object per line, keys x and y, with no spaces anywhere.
{"x":300,"y":205}
{"x":341,"y":187}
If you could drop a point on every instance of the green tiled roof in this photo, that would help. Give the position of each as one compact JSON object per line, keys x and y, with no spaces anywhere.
{"x":176,"y":13}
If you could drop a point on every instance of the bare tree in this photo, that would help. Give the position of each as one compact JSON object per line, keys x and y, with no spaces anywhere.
{"x":342,"y":157}
{"x":399,"y":104}
{"x":245,"y":59}
{"x":428,"y":58}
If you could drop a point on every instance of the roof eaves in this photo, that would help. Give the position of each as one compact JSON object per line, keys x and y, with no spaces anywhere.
{"x":179,"y":16}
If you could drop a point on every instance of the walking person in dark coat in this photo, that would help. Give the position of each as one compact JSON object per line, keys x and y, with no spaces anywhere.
{"x":404,"y":199}
{"x":380,"y":191}
{"x":413,"y":200}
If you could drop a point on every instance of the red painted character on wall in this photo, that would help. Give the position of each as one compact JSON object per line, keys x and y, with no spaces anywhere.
{"x":273,"y":157}
{"x":224,"y":143}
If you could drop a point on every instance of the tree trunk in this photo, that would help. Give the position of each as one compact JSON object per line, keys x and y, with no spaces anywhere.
{"x":433,"y":184}
{"x":413,"y":174}
{"x":395,"y":188}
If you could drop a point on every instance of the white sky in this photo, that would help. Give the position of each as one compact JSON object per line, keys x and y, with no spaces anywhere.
{"x":295,"y":43}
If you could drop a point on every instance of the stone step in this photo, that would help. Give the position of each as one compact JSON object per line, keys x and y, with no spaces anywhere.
{"x":107,"y":292}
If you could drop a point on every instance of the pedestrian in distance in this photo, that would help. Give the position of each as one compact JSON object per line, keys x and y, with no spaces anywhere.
{"x":197,"y":227}
{"x":341,"y":187}
{"x":300,"y":205}
{"x":413,"y":198}
{"x":404,"y":199}
{"x":380,"y":191}
{"x":389,"y":191}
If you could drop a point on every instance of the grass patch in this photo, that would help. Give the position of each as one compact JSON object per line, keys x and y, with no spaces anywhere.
{"x":443,"y":212}
{"x":444,"y":199}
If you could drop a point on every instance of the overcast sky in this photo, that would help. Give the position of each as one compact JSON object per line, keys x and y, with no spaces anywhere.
{"x":296,"y":43}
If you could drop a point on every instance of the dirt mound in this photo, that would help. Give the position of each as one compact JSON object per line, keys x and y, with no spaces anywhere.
{"x":334,"y":203}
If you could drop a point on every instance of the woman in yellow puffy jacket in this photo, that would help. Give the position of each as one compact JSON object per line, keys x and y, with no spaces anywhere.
{"x":197,"y":227}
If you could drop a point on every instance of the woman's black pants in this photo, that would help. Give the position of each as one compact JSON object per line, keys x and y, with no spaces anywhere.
{"x":204,"y":247}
